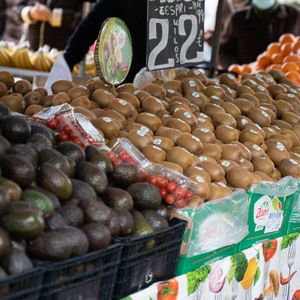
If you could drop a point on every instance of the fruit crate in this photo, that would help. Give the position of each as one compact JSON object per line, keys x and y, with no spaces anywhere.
{"x":26,"y":285}
{"x":140,"y":267}
{"x":90,"y":276}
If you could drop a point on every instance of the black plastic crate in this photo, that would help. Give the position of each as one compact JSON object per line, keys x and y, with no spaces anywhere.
{"x":26,"y":285}
{"x":89,"y":276}
{"x":140,"y":267}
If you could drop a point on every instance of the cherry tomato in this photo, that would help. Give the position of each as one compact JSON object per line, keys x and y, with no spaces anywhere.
{"x":63,"y":136}
{"x":52,"y":124}
{"x":163,"y":193}
{"x":171,"y":186}
{"x":162,"y":182}
{"x":93,"y":142}
{"x":123,"y":155}
{"x":131,"y":160}
{"x":67,"y":129}
{"x":115,"y":162}
{"x":152,"y":180}
{"x":179,"y":192}
{"x":170,"y":199}
{"x":78,"y":142}
{"x":73,"y":135}
{"x":180,"y":203}
{"x":188,"y":195}
{"x":111,"y":155}
{"x":144,"y":175}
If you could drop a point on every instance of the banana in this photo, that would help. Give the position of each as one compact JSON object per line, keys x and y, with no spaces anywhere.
{"x":5,"y":59}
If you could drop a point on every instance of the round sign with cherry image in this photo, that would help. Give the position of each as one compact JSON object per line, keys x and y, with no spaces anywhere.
{"x":113,"y":51}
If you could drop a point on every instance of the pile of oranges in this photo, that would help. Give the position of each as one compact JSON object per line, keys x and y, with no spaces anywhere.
{"x":283,"y":55}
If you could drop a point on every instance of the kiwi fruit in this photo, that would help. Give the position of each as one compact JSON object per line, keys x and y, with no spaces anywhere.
{"x":126,"y":87}
{"x":77,"y":91}
{"x":255,"y":150}
{"x":215,"y":90}
{"x":210,"y":109}
{"x":244,"y":105}
{"x":15,"y":102}
{"x":180,"y":156}
{"x":216,"y":192}
{"x":267,"y":109}
{"x":229,"y":80}
{"x":102,"y":97}
{"x":260,"y":117}
{"x":189,"y":85}
{"x":172,"y":166}
{"x":239,"y":177}
{"x":291,"y":118}
{"x":123,"y":107}
{"x":108,"y":126}
{"x":215,"y":100}
{"x":246,"y":164}
{"x":130,"y":97}
{"x":61,"y":98}
{"x":153,"y":105}
{"x":174,"y":105}
{"x":263,"y":176}
{"x":154,"y":153}
{"x":140,"y":139}
{"x":139,"y":127}
{"x":285,"y":140}
{"x":186,"y":116}
{"x":171,"y":133}
{"x":226,"y":134}
{"x":255,"y":127}
{"x":165,"y":118}
{"x":263,"y":164}
{"x":276,"y":151}
{"x":246,"y":153}
{"x":215,"y":171}
{"x":223,"y":118}
{"x":22,"y":86}
{"x":282,"y":107}
{"x":231,"y":109}
{"x":205,"y":124}
{"x":203,"y":190}
{"x":155,"y":90}
{"x":3,"y":89}
{"x":179,"y":124}
{"x":250,"y":135}
{"x":241,"y":121}
{"x":289,"y":167}
{"x":173,"y":84}
{"x":268,"y":132}
{"x":205,"y":135}
{"x":292,"y":136}
{"x":32,"y":98}
{"x":47,"y":100}
{"x":141,"y":95}
{"x":275,"y":89}
{"x":33,"y":109}
{"x":86,"y":112}
{"x":244,"y":89}
{"x":116,"y":116}
{"x":231,"y":152}
{"x":227,"y":164}
{"x":282,"y":124}
{"x":197,"y":98}
{"x":61,"y":86}
{"x":149,"y":120}
{"x":289,"y":97}
{"x":197,"y":171}
{"x":7,"y":78}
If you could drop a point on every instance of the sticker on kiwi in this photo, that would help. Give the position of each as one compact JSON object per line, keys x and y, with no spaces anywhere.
{"x":204,"y":130}
{"x":186,"y":114}
{"x":293,"y":162}
{"x":107,"y":92}
{"x":279,"y":146}
{"x":143,"y":128}
{"x":215,"y":97}
{"x":201,"y":120}
{"x":261,"y":88}
{"x":113,"y":51}
{"x":141,"y":133}
{"x":195,"y":138}
{"x":199,"y":179}
{"x":171,"y":91}
{"x":256,"y":147}
{"x":228,"y":127}
{"x":157,"y":141}
{"x":195,"y":94}
{"x":264,"y":114}
{"x":203,"y":115}
{"x":196,"y":72}
{"x":230,"y":76}
{"x":192,"y":83}
{"x":242,"y":160}
{"x":202,"y":158}
{"x":221,"y":184}
{"x":157,"y":148}
{"x":291,"y":95}
{"x":225,"y":163}
{"x":157,"y":100}
{"x":270,"y":129}
{"x":253,"y":131}
{"x":293,"y":91}
{"x":106,"y":119}
{"x":244,"y":121}
{"x":122,"y":102}
{"x":199,"y":168}
{"x":151,"y":115}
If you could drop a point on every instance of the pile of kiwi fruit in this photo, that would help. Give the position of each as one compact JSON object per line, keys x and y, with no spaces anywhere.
{"x":222,"y":133}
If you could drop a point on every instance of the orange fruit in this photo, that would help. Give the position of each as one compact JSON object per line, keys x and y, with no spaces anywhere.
{"x":286,"y":37}
{"x":277,"y":58}
{"x":235,"y":68}
{"x":273,"y":48}
{"x":286,"y":48}
{"x":296,"y":47}
{"x":289,"y":66}
{"x":292,"y":57}
{"x":264,"y":60}
{"x":246,"y":69}
{"x":274,"y":67}
{"x":293,"y":75}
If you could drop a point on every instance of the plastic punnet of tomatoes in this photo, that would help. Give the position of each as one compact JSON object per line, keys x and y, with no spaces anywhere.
{"x":175,"y":189}
{"x":51,"y":116}
{"x":76,"y":128}
{"x":124,"y":151}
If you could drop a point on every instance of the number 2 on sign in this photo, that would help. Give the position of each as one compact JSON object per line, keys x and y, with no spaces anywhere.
{"x":164,"y":40}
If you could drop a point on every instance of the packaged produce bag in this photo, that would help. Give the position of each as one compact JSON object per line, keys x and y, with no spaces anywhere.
{"x":294,"y":221}
{"x":269,"y":210}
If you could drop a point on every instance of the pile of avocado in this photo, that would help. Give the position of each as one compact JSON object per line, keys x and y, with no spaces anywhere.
{"x":58,"y":200}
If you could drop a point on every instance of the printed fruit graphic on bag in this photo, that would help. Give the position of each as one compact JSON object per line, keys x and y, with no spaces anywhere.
{"x":168,"y":290}
{"x":269,"y":249}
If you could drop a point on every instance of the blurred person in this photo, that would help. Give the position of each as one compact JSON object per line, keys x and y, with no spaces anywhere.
{"x":250,"y":29}
{"x":10,"y":30}
{"x":132,"y":12}
{"x":48,"y":22}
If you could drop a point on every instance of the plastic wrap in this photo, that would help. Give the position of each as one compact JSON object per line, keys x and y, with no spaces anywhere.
{"x":217,"y":223}
{"x":295,"y":214}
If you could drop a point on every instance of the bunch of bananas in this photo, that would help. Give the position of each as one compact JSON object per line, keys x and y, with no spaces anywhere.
{"x":21,"y":57}
{"x":90,"y":68}
{"x":41,"y":61}
{"x":6,"y":50}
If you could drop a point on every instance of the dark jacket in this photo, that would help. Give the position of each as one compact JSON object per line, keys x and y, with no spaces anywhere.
{"x":132,"y":12}
{"x":55,"y":37}
{"x":245,"y":36}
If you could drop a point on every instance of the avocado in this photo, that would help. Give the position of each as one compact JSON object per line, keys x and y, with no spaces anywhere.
{"x":93,"y":175}
{"x":41,"y":129}
{"x":50,"y":245}
{"x":54,"y":181}
{"x":82,"y":191}
{"x":141,"y":227}
{"x":116,"y":197}
{"x":4,"y":200}
{"x":13,"y":189}
{"x":125,"y":174}
{"x":72,"y":166}
{"x":25,"y":151}
{"x":97,"y":157}
{"x":144,"y":195}
{"x":38,"y":142}
{"x":16,"y":261}
{"x":4,"y":110}
{"x":165,"y":211}
{"x":126,"y":221}
{"x":54,"y":158}
{"x":18,"y":169}
{"x":79,"y":241}
{"x":42,"y":201}
{"x":95,"y":211}
{"x":54,"y":221}
{"x":4,"y":144}
{"x":155,"y":220}
{"x":97,"y":234}
{"x":15,"y":128}
{"x":114,"y":225}
{"x":22,"y":223}
{"x":72,"y":214}
{"x":17,"y":206}
{"x":5,"y":242}
{"x":71,"y":150}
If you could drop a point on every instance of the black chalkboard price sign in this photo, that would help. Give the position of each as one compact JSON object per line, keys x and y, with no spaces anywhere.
{"x":175,"y":33}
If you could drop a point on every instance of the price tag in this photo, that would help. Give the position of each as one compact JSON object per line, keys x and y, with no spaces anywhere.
{"x":175,"y":33}
{"x":274,"y":222}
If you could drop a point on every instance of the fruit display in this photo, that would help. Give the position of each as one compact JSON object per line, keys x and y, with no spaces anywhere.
{"x":282,"y":55}
{"x":20,"y":56}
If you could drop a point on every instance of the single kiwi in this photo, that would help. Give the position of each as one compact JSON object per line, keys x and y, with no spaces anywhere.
{"x":292,"y":136}
{"x":244,"y":105}
{"x":3,"y":89}
{"x":268,"y":132}
{"x":61,"y":98}
{"x":153,"y":105}
{"x":61,"y":86}
{"x":197,"y":171}
{"x":205,"y":124}
{"x":203,"y":190}
{"x":290,"y":117}
{"x":197,"y":74}
{"x":130,"y":97}
{"x":108,"y":126}
{"x":180,"y":156}
{"x":41,"y":90}
{"x":255,"y":127}
{"x":210,"y":109}
{"x":205,"y":135}
{"x":123,"y":107}
{"x":151,"y":121}
{"x":215,"y":90}
{"x":141,"y":95}
{"x":276,"y":175}
{"x":126,"y":87}
{"x":155,"y":90}
{"x":7,"y":78}
{"x":47,"y":100}
{"x":186,"y":116}
{"x":231,"y":152}
{"x":255,"y":150}
{"x":246,"y":153}
{"x":174,"y":105}
{"x":15,"y":102}
{"x":173,"y":84}
{"x":102,"y":97}
{"x":244,"y":89}
{"x":276,"y":151}
{"x":32,"y":98}
{"x":215,"y":100}
{"x":268,"y":108}
{"x":22,"y":86}
{"x":179,"y":124}
{"x":252,"y":98}
{"x":196,"y":109}
{"x":263,"y":176}
{"x":275,"y":89}
{"x":171,"y":133}
{"x":231,"y":109}
{"x":33,"y":109}
{"x":139,"y":127}
{"x":197,"y":98}
{"x":215,"y":171}
{"x":172,"y":166}
{"x":77,"y":91}
{"x":230,"y":94}
{"x":154,"y":154}
{"x":250,"y":135}
{"x":189,"y":85}
{"x":97,"y":111}
{"x":227,"y":164}
{"x":246,"y":164}
{"x":139,"y":138}
{"x":260,"y":117}
{"x":285,"y":140}
{"x":223,"y":118}
{"x":82,"y":101}
{"x":228,"y":79}
{"x":289,"y":97}
{"x":190,"y":143}
{"x":239,"y":177}
{"x":226,"y":134}
{"x":289,"y":167}
{"x":216,"y":192}
{"x":282,"y":124}
{"x":241,"y":121}
{"x":263,"y":164}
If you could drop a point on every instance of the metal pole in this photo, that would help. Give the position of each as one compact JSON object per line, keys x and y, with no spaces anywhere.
{"x":215,"y":40}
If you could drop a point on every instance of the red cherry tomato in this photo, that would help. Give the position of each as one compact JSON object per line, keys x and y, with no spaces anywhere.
{"x":162,"y":182}
{"x":116,"y":162}
{"x":144,"y":175}
{"x":131,"y":160}
{"x":179,"y":203}
{"x":179,"y":192}
{"x":59,"y":118}
{"x":170,"y":199}
{"x":163,"y":193}
{"x":52,"y":123}
{"x":78,"y":142}
{"x":73,"y":135}
{"x":124,"y":156}
{"x":188,"y":195}
{"x":63,"y":136}
{"x":111,"y":155}
{"x":152,"y":180}
{"x":171,"y":186}
{"x":67,"y":129}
